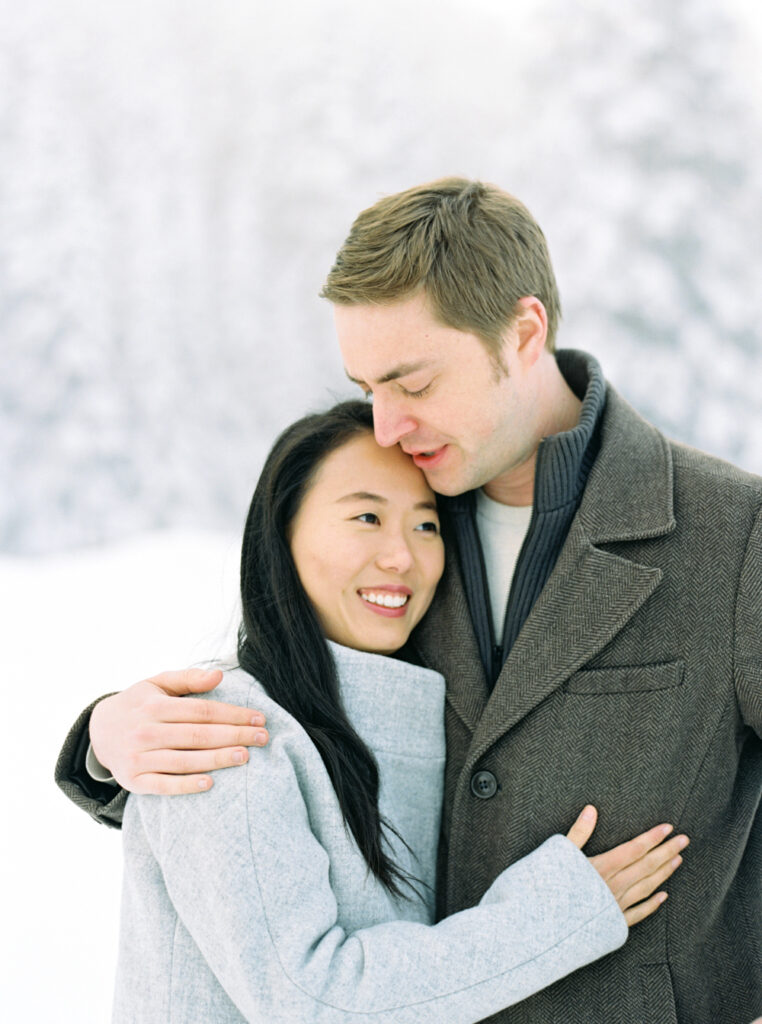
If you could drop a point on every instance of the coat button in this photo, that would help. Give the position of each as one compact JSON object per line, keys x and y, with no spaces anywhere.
{"x":483,"y":785}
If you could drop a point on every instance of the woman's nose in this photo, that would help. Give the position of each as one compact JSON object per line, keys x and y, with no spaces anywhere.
{"x":396,"y":556}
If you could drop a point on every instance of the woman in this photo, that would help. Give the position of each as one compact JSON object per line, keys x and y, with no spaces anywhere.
{"x":300,"y":888}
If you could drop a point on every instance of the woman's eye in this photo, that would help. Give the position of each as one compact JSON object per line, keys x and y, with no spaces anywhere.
{"x":367,"y":517}
{"x":429,"y":527}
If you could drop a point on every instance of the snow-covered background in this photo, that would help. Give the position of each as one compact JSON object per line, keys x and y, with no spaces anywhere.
{"x":175,"y":178}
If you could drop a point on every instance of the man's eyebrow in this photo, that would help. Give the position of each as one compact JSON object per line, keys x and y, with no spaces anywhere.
{"x":399,"y":371}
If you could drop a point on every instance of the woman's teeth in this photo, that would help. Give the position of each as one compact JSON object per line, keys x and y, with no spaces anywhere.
{"x":387,"y":600}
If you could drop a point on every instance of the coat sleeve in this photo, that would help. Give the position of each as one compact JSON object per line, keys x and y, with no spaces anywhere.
{"x":748,"y":631}
{"x":252,"y":885}
{"x":103,"y":801}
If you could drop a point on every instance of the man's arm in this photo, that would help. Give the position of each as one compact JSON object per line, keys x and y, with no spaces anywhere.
{"x":153,"y":740}
{"x":103,"y":801}
{"x":748,"y":638}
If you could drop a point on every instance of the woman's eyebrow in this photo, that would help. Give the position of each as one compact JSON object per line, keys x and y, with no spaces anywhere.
{"x":363,"y":496}
{"x":367,"y":496}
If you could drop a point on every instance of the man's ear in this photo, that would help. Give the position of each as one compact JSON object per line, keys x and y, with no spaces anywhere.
{"x":531,"y":327}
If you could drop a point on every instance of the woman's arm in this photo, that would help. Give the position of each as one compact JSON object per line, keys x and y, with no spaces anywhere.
{"x":252,"y":885}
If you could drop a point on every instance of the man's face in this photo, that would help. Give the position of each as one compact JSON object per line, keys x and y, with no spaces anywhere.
{"x":438,"y":393}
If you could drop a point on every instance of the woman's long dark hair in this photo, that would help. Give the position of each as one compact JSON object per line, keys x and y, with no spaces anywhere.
{"x":280,"y":640}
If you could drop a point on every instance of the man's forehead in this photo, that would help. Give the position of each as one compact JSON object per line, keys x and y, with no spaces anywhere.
{"x":383,"y":342}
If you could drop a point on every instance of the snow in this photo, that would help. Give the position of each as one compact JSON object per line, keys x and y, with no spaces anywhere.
{"x":77,"y":626}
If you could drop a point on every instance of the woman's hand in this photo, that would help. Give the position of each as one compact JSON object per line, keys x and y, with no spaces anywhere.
{"x":634,"y":869}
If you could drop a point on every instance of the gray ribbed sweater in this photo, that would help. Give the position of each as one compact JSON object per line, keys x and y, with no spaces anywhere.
{"x":252,"y":902}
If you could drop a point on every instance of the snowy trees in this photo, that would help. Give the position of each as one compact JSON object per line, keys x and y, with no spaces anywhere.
{"x":176,"y":177}
{"x":648,"y":155}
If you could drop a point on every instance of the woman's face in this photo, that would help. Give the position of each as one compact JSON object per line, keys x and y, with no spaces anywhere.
{"x":366,"y":545}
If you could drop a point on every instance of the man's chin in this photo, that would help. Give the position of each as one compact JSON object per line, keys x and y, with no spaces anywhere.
{"x":444,"y":484}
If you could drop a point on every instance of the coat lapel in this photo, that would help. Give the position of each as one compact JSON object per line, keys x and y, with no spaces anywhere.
{"x":591,"y":593}
{"x":589,"y":598}
{"x":446,"y":642}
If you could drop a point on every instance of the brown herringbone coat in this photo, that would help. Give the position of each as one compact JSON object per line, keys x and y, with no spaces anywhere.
{"x":635,"y":684}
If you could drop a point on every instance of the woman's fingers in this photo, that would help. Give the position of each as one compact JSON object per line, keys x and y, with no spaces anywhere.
{"x":583,"y":827}
{"x":659,"y":863}
{"x":633,"y":870}
{"x":642,"y":887}
{"x":645,"y":909}
{"x":613,"y":861}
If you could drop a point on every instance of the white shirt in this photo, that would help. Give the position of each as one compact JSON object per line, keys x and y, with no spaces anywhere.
{"x":502,"y":529}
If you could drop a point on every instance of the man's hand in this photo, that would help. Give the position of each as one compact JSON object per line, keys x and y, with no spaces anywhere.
{"x":152,"y":741}
{"x":634,"y":869}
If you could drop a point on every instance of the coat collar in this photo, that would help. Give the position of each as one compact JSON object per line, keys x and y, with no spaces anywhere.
{"x":629,"y":491}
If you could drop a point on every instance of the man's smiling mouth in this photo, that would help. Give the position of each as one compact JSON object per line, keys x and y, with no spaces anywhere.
{"x":426,"y":458}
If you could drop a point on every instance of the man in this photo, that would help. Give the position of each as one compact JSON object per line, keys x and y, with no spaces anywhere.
{"x":599,"y":623}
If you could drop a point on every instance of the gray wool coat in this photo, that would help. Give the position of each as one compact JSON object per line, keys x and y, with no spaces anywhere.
{"x":253,"y":903}
{"x":635,"y":684}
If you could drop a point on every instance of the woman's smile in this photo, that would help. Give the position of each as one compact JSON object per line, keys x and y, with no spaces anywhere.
{"x":386,"y":600}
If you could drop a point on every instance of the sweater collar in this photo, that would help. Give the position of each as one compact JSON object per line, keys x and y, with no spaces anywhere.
{"x":564,"y":460}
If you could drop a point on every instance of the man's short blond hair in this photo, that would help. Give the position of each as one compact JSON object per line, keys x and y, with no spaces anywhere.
{"x":474,"y":249}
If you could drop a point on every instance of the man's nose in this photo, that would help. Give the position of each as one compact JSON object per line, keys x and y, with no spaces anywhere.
{"x":390,"y":422}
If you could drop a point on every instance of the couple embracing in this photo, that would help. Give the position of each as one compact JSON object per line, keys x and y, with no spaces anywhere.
{"x":491,"y":620}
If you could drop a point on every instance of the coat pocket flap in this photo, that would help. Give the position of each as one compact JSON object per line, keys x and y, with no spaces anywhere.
{"x":627,"y":679}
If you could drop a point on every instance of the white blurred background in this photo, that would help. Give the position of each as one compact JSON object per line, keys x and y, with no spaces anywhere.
{"x":175,"y":178}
